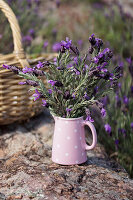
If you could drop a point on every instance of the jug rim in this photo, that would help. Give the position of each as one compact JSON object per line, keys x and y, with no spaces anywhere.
{"x":68,"y":119}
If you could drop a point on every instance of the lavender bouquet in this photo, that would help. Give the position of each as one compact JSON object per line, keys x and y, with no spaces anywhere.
{"x":75,"y":82}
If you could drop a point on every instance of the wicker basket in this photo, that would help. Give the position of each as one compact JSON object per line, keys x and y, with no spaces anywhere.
{"x":15,"y":103}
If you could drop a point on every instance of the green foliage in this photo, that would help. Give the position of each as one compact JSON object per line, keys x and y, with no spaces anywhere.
{"x":115,"y":27}
{"x":120,"y":117}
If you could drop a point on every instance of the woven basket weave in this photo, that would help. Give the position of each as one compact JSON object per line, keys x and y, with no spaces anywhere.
{"x":15,"y":101}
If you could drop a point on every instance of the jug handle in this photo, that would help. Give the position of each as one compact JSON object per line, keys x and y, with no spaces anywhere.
{"x":94,"y":135}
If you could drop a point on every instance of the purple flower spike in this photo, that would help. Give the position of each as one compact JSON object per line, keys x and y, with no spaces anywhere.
{"x":6,"y":66}
{"x":88,"y":118}
{"x":32,"y":32}
{"x":107,"y":128}
{"x":125,"y":100}
{"x":132,"y":89}
{"x":68,"y":110}
{"x":51,"y":82}
{"x":27,"y":40}
{"x":27,"y":70}
{"x":45,"y":44}
{"x":129,"y":60}
{"x":39,"y":65}
{"x":103,"y":112}
{"x":56,"y":47}
{"x":131,"y":125}
{"x":50,"y":91}
{"x":44,"y":103}
{"x":22,"y":83}
{"x":75,"y":60}
{"x":36,"y":95}
{"x":80,"y":43}
{"x":69,"y":65}
{"x":86,"y":96}
{"x":66,"y":44}
{"x":116,"y":143}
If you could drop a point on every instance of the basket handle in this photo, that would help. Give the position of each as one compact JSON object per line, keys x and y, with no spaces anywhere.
{"x":17,"y":39}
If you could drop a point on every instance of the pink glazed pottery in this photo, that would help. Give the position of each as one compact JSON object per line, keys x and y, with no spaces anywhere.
{"x":69,"y":146}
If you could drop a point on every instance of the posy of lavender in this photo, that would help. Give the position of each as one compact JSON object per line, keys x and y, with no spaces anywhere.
{"x":75,"y":82}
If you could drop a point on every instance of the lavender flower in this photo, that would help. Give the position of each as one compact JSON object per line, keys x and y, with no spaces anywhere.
{"x":22,"y":83}
{"x":38,"y":72}
{"x":86,"y":96}
{"x":27,"y":70}
{"x":45,"y":44}
{"x":80,"y":43}
{"x":40,"y":65}
{"x":54,"y":33}
{"x":105,"y":101}
{"x":27,"y":40}
{"x":58,"y":2}
{"x":32,"y":83}
{"x":125,"y":100}
{"x":75,"y":60}
{"x":66,"y":44}
{"x":129,"y":60}
{"x":14,"y":69}
{"x":74,"y":49}
{"x":103,"y":112}
{"x":92,"y":39}
{"x":32,"y":32}
{"x":95,"y":43}
{"x":118,"y":101}
{"x":131,"y":125}
{"x":51,"y":82}
{"x":69,"y":65}
{"x":89,"y":118}
{"x":56,"y":47}
{"x":91,"y":49}
{"x":44,"y":103}
{"x":36,"y":95}
{"x":95,"y":90}
{"x":50,"y":91}
{"x":67,"y":95}
{"x":68,"y":110}
{"x":107,"y":128}
{"x":116,"y":143}
{"x":132,"y":89}
{"x":29,"y":82}
{"x":55,"y":83}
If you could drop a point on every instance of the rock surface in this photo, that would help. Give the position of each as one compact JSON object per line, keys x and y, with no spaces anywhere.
{"x":27,"y":172}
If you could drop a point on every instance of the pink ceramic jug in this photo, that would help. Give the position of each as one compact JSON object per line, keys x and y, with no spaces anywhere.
{"x":69,"y":146}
